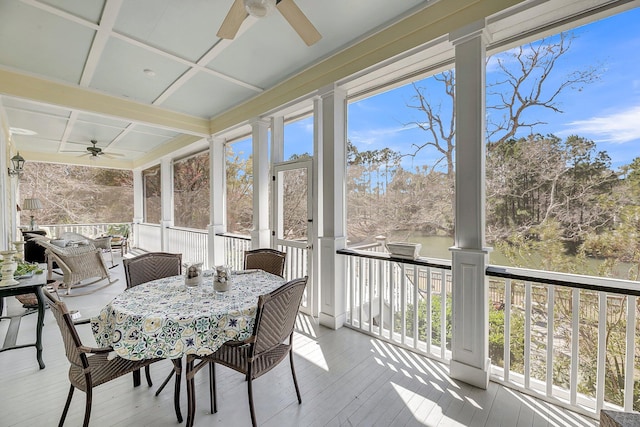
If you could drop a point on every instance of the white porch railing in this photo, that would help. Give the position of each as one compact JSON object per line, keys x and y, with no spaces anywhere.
{"x":382,"y":300}
{"x":148,"y":237}
{"x":191,"y":243}
{"x":234,"y":247}
{"x":563,"y":338}
{"x":569,"y":339}
{"x":89,"y":230}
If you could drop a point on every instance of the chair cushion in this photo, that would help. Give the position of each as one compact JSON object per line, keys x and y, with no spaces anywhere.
{"x":59,"y":242}
{"x":75,"y":238}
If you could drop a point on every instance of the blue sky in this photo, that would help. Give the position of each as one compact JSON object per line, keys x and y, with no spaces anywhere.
{"x":606,"y":111}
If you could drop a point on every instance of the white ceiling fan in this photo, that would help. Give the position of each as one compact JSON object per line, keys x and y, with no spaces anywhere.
{"x":259,"y":8}
{"x":95,"y":152}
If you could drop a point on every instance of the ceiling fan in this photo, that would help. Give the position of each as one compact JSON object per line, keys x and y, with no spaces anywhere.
{"x":259,"y":8}
{"x":95,"y":151}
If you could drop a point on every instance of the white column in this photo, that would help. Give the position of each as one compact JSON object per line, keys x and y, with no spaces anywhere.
{"x":166,"y":213}
{"x":277,"y":139}
{"x":277,"y":155}
{"x":470,"y":337}
{"x":218,"y":200}
{"x":138,"y":203}
{"x":8,"y":212}
{"x":317,"y":201}
{"x":261,"y":234}
{"x":333,"y":152}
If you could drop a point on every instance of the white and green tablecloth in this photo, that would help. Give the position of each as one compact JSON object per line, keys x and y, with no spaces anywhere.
{"x":164,"y":318}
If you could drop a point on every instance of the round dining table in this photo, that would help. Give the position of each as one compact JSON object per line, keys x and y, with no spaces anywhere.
{"x":166,"y":319}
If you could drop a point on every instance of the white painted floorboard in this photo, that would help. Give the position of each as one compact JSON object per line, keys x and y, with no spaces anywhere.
{"x":346,"y":379}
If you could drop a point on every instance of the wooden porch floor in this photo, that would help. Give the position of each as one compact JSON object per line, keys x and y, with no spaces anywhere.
{"x":346,"y":379}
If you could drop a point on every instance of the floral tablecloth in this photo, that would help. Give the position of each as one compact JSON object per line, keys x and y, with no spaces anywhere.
{"x":164,"y":318}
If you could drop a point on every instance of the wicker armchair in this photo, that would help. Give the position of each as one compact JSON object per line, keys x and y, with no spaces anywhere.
{"x":257,"y":355}
{"x":78,"y":263}
{"x":269,"y":260}
{"x":103,"y":242}
{"x":145,"y":268}
{"x":90,"y":367}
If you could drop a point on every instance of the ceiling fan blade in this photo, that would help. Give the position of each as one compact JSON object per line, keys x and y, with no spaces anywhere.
{"x":111,"y":155}
{"x":232,"y":21}
{"x":299,"y":22}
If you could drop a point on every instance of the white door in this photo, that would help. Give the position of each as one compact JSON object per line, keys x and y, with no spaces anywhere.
{"x":293,"y":222}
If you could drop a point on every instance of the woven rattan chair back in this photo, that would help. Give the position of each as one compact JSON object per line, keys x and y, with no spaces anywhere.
{"x":276,"y":316}
{"x":151,"y":266}
{"x":70,"y":336}
{"x":269,"y":260}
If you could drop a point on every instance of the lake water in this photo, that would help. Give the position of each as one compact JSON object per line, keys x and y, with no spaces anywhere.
{"x":438,"y":247}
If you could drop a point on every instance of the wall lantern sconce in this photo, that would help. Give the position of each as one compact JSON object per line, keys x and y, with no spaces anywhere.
{"x":17,"y":162}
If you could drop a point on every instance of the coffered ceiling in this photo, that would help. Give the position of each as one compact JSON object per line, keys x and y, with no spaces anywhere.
{"x":138,"y":75}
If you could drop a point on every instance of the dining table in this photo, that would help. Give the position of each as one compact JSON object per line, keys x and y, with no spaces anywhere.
{"x":164,"y":318}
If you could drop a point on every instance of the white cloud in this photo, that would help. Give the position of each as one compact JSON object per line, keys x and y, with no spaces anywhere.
{"x":379,"y":136}
{"x":617,"y":128}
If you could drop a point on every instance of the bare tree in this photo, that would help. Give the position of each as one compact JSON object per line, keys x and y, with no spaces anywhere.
{"x":439,"y":126}
{"x":76,"y":194}
{"x":527,"y":79}
{"x":524,"y":83}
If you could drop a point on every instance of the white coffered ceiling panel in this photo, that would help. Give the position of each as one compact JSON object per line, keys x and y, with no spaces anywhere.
{"x":121,"y":71}
{"x":184,"y":28}
{"x":38,"y":42}
{"x":140,"y":141}
{"x":205,"y":95}
{"x":90,"y":10}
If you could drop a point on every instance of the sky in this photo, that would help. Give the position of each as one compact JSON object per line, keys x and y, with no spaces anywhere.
{"x":606,"y":111}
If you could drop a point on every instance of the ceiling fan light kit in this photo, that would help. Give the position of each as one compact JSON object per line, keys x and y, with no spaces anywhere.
{"x":260,"y":8}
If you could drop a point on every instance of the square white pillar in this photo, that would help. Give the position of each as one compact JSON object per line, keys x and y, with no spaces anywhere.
{"x":261,"y":233}
{"x":217,"y":202}
{"x":470,"y":330}
{"x":332,"y":150}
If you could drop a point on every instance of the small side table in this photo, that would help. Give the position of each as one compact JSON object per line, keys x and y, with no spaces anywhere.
{"x":26,"y":286}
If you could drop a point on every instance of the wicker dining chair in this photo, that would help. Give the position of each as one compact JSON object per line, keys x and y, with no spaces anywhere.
{"x":145,"y":268}
{"x":90,"y":366}
{"x":270,"y":343}
{"x":151,"y":266}
{"x":270,"y":260}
